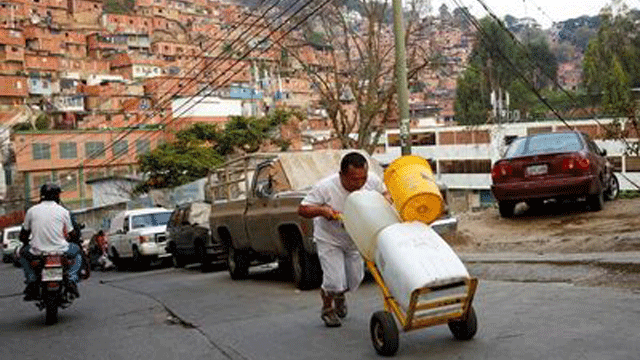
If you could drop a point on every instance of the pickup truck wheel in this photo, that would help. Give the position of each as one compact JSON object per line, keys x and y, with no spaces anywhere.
{"x":307,"y":273}
{"x":237,"y":263}
{"x":177,"y":260}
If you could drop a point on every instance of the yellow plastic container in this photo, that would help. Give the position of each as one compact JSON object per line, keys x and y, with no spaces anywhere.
{"x":413,"y":189}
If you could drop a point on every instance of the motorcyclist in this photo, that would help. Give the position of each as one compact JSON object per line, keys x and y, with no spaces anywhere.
{"x":47,"y":227}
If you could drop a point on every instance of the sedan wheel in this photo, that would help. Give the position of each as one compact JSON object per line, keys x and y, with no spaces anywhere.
{"x":613,"y":188}
{"x":506,"y":208}
{"x":596,"y":201}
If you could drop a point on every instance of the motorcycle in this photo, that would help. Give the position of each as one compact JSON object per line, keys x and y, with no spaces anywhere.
{"x":53,"y":293}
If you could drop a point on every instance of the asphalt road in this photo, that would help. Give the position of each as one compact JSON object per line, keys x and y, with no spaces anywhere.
{"x":183,"y":313}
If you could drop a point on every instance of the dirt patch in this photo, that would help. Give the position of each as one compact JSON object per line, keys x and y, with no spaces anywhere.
{"x":564,"y":228}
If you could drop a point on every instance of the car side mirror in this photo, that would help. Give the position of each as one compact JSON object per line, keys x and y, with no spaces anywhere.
{"x":603,"y":152}
{"x":264,"y":190}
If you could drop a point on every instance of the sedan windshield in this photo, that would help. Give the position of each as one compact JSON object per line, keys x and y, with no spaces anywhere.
{"x":148,"y":220}
{"x":544,"y":144}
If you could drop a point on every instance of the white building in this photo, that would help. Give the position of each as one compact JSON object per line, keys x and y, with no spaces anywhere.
{"x":462,"y":156}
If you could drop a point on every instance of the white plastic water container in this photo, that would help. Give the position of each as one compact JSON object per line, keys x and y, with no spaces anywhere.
{"x":366,"y":212}
{"x":412,"y":255}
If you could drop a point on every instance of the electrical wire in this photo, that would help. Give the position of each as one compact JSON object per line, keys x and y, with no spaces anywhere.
{"x":210,"y":65}
{"x":169,"y":120}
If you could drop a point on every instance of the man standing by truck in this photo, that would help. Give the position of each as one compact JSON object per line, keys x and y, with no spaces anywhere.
{"x":341,"y":263}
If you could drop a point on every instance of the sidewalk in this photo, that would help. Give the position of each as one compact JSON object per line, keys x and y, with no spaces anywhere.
{"x":598,"y":258}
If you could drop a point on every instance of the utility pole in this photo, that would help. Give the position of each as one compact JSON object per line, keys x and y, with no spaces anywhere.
{"x":401,"y":78}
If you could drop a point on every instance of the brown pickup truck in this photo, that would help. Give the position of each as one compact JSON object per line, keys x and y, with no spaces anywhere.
{"x":254,"y":210}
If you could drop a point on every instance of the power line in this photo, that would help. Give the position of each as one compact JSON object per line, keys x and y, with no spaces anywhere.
{"x":203,"y":51}
{"x":211,"y":45}
{"x":508,"y":61}
{"x":282,"y":24}
{"x":569,"y":95}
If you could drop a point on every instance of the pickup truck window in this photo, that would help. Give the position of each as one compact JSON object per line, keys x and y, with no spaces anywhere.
{"x":148,"y":220}
{"x":12,"y":235}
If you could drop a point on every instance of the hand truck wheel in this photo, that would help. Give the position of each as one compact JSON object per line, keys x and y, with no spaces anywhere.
{"x":465,"y":329}
{"x":384,"y":333}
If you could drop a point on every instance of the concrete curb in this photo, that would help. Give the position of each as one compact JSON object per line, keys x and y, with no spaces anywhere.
{"x":601,"y":258}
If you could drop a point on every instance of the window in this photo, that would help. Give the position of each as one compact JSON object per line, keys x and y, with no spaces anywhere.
{"x":68,"y":181}
{"x":68,"y":150}
{"x":120,"y":148}
{"x":39,"y":180}
{"x":632,"y":163}
{"x":149,"y":220}
{"x":94,"y":149}
{"x":465,"y":166}
{"x":41,"y":151}
{"x":616,"y":162}
{"x":95,"y":174}
{"x":143,"y":146}
{"x":121,"y":172}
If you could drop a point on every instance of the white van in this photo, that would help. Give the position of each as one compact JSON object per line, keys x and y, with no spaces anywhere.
{"x":10,"y":241}
{"x":139,"y":235}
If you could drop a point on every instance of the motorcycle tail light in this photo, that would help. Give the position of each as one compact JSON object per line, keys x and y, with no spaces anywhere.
{"x":53,"y":285}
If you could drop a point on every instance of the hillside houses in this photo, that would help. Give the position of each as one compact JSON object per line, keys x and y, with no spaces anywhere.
{"x":104,"y":87}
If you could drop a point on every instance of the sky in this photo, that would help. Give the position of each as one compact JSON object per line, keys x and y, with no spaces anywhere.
{"x":544,"y":11}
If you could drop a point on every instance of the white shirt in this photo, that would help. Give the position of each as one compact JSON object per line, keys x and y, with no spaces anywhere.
{"x":49,"y":223}
{"x":330,"y":191}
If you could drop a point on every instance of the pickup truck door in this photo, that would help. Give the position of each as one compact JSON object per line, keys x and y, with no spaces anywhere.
{"x":259,"y":213}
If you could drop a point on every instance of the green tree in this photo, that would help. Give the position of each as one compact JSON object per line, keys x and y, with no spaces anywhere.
{"x":472,"y":98}
{"x":500,"y":63}
{"x":611,"y":64}
{"x":204,"y":146}
{"x":248,"y":134}
{"x":177,"y":163}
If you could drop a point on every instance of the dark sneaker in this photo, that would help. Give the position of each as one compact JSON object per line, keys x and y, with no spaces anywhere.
{"x":31,"y":292}
{"x":330,"y":318}
{"x":72,"y":289}
{"x":341,"y":306}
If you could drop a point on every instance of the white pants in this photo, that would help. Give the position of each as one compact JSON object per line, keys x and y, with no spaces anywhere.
{"x":342,"y":269}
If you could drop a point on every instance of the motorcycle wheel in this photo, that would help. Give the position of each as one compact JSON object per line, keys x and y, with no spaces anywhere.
{"x":51,"y":307}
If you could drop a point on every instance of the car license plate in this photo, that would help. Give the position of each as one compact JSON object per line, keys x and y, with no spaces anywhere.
{"x":537,"y":169}
{"x":52,"y":274}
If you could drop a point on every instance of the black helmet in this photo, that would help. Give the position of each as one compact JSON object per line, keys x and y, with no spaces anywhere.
{"x":50,"y":191}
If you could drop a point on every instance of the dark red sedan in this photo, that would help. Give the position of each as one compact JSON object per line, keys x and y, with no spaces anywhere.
{"x":556,"y":166}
